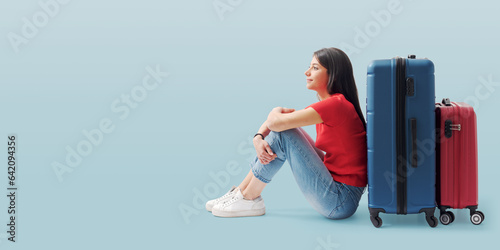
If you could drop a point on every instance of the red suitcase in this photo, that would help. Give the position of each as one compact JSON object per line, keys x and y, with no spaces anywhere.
{"x":456,"y":160}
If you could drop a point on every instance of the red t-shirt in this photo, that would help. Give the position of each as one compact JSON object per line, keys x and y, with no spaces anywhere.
{"x":343,"y":138}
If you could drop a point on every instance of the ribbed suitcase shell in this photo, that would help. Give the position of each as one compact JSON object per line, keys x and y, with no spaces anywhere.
{"x":457,"y":156}
{"x":381,"y":136}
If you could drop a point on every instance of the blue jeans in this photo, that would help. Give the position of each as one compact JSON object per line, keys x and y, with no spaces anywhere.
{"x":330,"y":198}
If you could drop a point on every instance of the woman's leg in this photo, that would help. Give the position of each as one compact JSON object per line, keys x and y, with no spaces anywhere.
{"x":251,"y":187}
{"x":331,"y":199}
{"x":246,"y":181}
{"x":256,"y":189}
{"x":312,"y":143}
{"x":257,"y":186}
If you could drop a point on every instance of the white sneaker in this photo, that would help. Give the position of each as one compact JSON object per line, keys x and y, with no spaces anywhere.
{"x":211,"y":203}
{"x":238,"y":206}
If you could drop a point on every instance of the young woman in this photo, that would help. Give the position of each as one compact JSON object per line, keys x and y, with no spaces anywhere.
{"x":333,"y":182}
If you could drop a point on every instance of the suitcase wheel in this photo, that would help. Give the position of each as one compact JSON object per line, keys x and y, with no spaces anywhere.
{"x":477,"y":218}
{"x":480,"y":213}
{"x":431,"y":220}
{"x":376,"y":221}
{"x":447,"y":218}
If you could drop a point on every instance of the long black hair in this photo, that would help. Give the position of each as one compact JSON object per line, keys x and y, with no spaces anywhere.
{"x":340,"y":76}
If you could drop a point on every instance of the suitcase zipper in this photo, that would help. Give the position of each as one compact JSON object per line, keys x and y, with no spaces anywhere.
{"x":401,"y":92}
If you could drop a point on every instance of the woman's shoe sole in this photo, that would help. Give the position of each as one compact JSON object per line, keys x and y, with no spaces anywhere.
{"x":257,"y":212}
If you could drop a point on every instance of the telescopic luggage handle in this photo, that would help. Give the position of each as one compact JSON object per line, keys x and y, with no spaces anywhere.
{"x":446,"y":102}
{"x":448,"y":124}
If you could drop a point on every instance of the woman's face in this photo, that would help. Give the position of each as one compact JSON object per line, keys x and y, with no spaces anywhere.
{"x":317,"y":76}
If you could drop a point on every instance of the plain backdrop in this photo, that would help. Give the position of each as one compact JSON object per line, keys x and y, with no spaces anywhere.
{"x":68,"y":66}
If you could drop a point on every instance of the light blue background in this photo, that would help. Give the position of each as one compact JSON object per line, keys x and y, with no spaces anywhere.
{"x":225,"y":76}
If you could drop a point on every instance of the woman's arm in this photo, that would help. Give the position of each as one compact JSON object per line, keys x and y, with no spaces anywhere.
{"x":264,"y":152}
{"x":264,"y":130}
{"x":280,"y":119}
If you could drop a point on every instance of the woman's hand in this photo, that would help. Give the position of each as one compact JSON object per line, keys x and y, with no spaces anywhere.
{"x":281,"y":110}
{"x":264,"y":152}
{"x":275,"y":117}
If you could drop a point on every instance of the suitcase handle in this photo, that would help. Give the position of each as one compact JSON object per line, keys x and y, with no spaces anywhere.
{"x":414,"y":155}
{"x":449,"y":126}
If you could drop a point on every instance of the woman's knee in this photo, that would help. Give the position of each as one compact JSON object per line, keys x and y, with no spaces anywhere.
{"x":293,"y":132}
{"x":342,"y":212}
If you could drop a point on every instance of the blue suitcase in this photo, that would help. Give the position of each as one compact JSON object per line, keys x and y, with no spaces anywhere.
{"x":401,"y":138}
